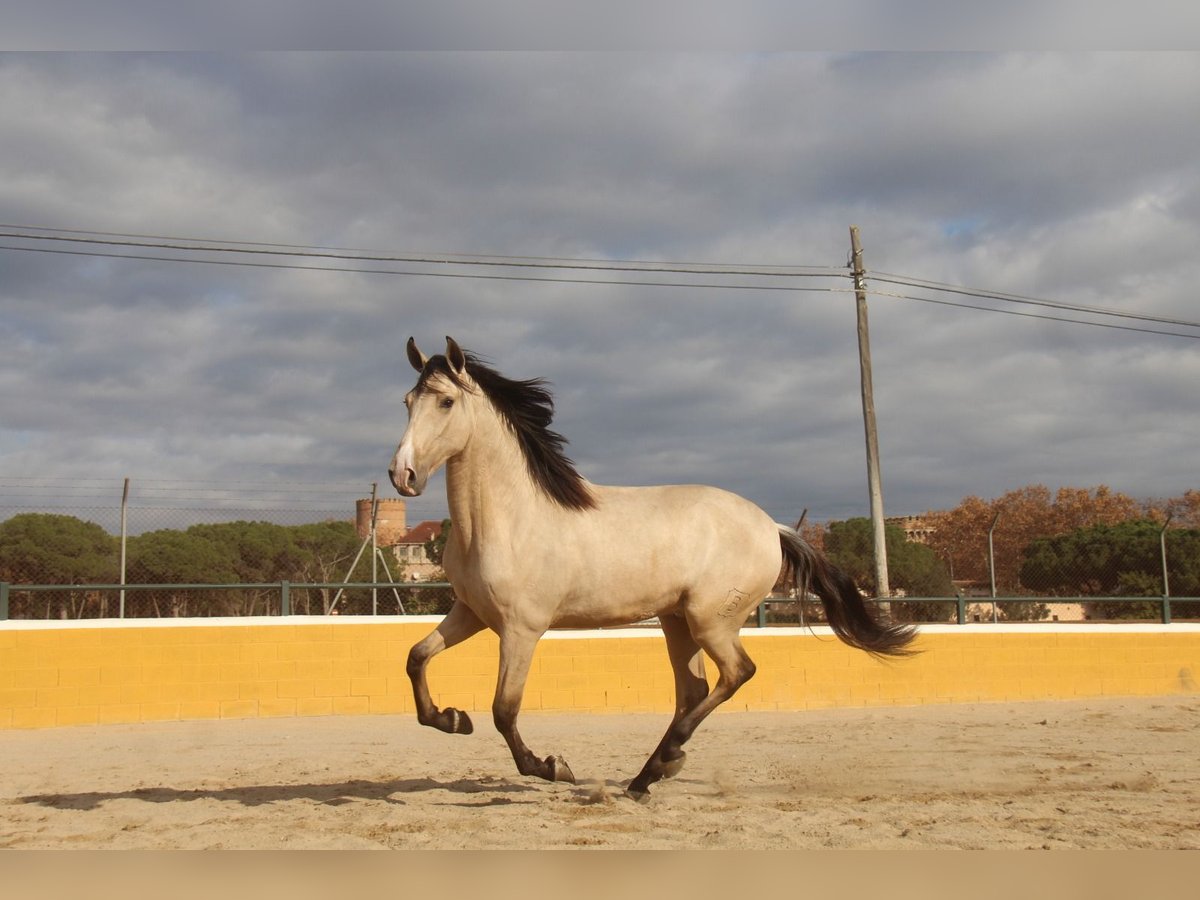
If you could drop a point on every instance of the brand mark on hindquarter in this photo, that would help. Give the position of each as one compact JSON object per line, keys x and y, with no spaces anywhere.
{"x":733,"y":602}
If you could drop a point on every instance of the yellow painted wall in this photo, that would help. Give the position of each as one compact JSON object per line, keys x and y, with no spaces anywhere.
{"x":70,"y":673}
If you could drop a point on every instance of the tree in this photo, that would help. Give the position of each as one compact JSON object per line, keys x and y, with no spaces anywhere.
{"x":960,"y":536}
{"x":182,"y":557}
{"x":327,"y":549}
{"x":1183,"y":510}
{"x":263,"y":552}
{"x":1186,"y":509}
{"x":41,"y":548}
{"x":435,"y":547}
{"x":912,"y":567}
{"x":1122,"y":560}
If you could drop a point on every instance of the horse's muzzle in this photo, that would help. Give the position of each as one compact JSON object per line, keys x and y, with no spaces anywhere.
{"x":405,"y":481}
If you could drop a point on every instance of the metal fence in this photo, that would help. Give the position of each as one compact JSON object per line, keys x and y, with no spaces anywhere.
{"x":284,"y":598}
{"x":963,"y":610}
{"x":64,"y":555}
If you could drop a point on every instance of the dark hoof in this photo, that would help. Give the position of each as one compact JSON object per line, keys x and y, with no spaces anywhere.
{"x":559,"y":770}
{"x":636,"y":795}
{"x":672,"y":767}
{"x":454,"y":721}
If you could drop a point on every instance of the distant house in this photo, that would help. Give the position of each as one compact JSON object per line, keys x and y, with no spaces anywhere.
{"x":410,"y":550}
{"x":916,"y":528}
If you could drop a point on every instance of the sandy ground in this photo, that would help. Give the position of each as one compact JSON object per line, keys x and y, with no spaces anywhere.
{"x":1093,"y":774}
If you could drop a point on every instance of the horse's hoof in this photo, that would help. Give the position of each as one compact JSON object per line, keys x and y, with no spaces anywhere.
{"x":559,"y":770}
{"x":672,"y":767}
{"x":455,"y":721}
{"x":638,"y":796}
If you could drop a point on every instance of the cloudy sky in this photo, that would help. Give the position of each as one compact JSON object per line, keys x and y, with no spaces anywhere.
{"x":1067,"y":177}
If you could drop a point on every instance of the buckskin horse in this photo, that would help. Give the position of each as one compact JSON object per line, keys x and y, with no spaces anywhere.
{"x":536,"y":546}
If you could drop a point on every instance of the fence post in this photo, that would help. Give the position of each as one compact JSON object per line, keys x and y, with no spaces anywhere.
{"x":1166,"y":609}
{"x":762,"y":614}
{"x":124,"y":541}
{"x":1162,"y":546}
{"x":962,"y":609}
{"x":3,"y":601}
{"x":285,"y":598}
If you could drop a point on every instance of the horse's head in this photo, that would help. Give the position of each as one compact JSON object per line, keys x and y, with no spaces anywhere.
{"x":439,"y":421}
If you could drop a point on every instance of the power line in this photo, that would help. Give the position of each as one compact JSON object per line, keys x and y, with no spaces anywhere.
{"x":451,"y":259}
{"x":766,"y":268}
{"x":1027,"y":315}
{"x":183,"y":483}
{"x":885,"y":278}
{"x":227,"y":248}
{"x":427,"y":274}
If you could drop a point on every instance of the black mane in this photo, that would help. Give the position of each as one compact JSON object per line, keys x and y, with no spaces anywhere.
{"x":528,"y":408}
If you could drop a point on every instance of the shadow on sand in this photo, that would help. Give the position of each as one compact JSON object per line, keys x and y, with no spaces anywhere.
{"x":492,"y":792}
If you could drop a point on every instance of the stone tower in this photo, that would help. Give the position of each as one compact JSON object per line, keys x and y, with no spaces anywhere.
{"x":391,"y":523}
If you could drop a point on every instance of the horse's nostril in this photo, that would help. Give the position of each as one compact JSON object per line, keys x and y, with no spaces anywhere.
{"x":408,"y":481}
{"x":403,"y":479}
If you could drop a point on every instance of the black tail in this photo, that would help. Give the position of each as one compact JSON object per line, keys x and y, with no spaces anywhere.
{"x":807,"y":568}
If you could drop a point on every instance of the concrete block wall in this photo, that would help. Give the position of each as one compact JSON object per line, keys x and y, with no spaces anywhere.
{"x":95,"y":672}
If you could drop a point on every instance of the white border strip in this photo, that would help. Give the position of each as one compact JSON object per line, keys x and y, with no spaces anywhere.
{"x":605,"y":633}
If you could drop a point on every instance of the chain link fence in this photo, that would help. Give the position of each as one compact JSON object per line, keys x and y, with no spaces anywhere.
{"x":215,"y":549}
{"x":1144,"y":565}
{"x":238,"y":549}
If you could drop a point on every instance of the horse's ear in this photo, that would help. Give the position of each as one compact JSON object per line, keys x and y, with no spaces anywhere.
{"x":415,"y":356}
{"x":455,"y":356}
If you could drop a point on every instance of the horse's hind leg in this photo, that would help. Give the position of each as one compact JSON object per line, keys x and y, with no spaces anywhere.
{"x":735,"y":668}
{"x":516,"y":655}
{"x":691,"y":685}
{"x":460,"y":623}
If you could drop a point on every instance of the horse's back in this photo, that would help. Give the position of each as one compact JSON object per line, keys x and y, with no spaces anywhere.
{"x":644,"y":551}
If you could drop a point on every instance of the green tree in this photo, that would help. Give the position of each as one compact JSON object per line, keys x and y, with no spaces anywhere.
{"x":264,"y":553}
{"x":182,"y":557}
{"x":1115,"y":561}
{"x":326,"y":551}
{"x":41,"y":548}
{"x":912,"y":567}
{"x":435,"y":547}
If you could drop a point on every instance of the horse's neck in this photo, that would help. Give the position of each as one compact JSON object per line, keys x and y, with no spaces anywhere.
{"x":489,"y":489}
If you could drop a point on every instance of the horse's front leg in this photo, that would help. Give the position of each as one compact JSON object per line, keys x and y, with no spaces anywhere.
{"x":516,"y":655}
{"x":460,"y":623}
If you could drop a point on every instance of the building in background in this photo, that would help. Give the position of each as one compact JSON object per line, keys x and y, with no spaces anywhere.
{"x":392,"y":533}
{"x":410,"y":550}
{"x":391,"y":522}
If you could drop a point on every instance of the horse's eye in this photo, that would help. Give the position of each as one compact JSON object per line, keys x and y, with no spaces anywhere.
{"x":446,"y":403}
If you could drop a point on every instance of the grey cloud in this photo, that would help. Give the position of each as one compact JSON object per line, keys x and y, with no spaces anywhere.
{"x":1067,"y":176}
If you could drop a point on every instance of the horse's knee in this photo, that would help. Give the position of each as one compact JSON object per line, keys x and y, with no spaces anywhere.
{"x":416,"y":662}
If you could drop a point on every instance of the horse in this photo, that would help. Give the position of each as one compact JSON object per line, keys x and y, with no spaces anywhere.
{"x":535,"y":546}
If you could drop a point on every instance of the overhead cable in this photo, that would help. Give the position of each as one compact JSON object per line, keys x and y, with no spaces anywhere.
{"x":223,"y":253}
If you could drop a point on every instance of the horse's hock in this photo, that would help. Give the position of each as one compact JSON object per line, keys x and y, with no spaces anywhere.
{"x":65,"y":673}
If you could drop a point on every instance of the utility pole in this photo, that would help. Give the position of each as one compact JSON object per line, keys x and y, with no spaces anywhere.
{"x":868,"y":405}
